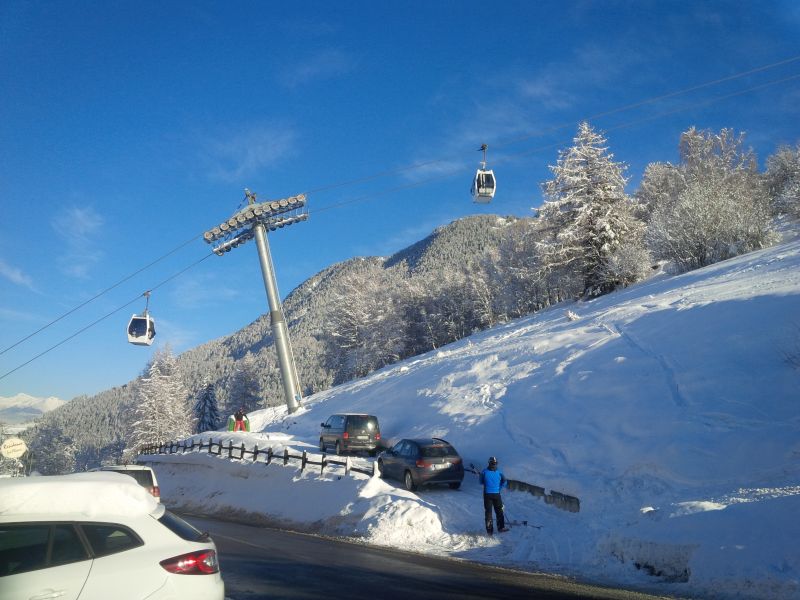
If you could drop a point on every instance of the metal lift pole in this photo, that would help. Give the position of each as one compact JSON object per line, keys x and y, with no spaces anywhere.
{"x":278,"y":322}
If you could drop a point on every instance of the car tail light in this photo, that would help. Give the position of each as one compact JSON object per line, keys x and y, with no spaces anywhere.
{"x":377,"y":436}
{"x":202,"y":562}
{"x":422,"y":464}
{"x":345,"y":435}
{"x":155,"y":491}
{"x":455,"y":461}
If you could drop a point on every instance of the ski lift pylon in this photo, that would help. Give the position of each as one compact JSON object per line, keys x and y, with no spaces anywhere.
{"x":142,"y":328}
{"x":484,"y":184}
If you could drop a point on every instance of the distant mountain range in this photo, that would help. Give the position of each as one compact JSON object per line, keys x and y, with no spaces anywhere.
{"x":23,"y":408}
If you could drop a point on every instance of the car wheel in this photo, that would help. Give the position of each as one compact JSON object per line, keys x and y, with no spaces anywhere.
{"x":455,"y":485}
{"x":338,"y":448}
{"x":409,"y":481}
{"x":321,"y":445}
{"x":380,"y":469}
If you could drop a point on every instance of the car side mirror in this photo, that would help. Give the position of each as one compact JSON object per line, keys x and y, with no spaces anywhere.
{"x":322,"y":425}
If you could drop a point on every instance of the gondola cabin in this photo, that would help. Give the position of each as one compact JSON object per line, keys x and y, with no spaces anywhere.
{"x":483,"y":186}
{"x":141,"y":329}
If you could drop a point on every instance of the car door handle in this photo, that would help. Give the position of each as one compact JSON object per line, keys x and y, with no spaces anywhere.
{"x":47,"y":595}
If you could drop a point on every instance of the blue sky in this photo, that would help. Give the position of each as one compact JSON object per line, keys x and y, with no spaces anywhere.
{"x":128,"y":128}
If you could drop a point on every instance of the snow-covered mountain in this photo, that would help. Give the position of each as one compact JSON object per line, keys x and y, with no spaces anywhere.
{"x":669,"y":408}
{"x":23,"y":408}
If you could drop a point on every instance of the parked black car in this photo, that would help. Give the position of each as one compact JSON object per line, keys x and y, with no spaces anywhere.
{"x":420,"y":462}
{"x":350,"y":432}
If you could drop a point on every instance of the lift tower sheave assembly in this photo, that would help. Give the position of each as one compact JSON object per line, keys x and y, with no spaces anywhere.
{"x":253,"y":221}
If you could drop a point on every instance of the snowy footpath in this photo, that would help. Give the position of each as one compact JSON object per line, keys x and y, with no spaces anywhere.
{"x":671,"y":409}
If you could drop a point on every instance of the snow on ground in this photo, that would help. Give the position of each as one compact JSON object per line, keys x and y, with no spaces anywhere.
{"x":669,"y":408}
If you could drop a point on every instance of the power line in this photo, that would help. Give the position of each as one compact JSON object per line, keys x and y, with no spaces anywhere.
{"x":104,"y":317}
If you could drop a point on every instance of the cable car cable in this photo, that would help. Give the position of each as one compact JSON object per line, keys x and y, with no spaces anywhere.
{"x":502,"y":144}
{"x":437,"y":178}
{"x":528,"y":152}
{"x":104,"y":317}
{"x":96,"y":296}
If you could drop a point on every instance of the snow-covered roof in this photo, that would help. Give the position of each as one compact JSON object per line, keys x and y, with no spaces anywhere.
{"x":78,"y":496}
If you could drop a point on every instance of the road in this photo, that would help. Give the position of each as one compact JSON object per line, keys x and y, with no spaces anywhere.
{"x":259,"y":562}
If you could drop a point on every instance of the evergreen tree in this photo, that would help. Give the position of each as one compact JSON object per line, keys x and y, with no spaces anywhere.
{"x":206,"y":411}
{"x":53,"y":451}
{"x":245,"y":389}
{"x":160,"y":411}
{"x":596,"y":236}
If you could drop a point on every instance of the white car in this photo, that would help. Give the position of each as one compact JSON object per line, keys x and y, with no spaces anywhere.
{"x":144,"y":476}
{"x":99,"y":536}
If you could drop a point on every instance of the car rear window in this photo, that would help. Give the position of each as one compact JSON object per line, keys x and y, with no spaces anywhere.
{"x":181,"y":528}
{"x":362,"y":423}
{"x":438,"y":451}
{"x":142,"y":477}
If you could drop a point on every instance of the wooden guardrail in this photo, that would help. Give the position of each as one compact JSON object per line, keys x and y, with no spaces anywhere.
{"x":239,"y":452}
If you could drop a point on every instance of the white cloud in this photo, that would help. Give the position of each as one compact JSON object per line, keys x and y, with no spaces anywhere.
{"x":201,"y":291}
{"x":236,"y":155}
{"x":327,"y":64}
{"x":78,"y":228}
{"x":15,"y":275}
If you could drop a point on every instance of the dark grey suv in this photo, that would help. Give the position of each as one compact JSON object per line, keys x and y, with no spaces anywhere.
{"x":349,"y":432}
{"x":421,"y":462}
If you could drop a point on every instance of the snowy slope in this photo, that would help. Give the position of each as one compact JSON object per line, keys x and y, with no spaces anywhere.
{"x":669,"y":409}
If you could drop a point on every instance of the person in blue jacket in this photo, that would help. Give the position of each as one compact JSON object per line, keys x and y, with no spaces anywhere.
{"x":493,"y":481}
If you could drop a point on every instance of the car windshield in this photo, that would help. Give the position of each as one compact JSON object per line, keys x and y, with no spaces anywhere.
{"x":438,"y":451}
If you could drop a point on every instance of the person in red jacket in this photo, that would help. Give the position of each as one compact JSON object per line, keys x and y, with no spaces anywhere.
{"x":239,"y":416}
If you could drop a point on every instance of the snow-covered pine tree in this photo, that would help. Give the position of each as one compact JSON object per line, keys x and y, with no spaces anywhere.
{"x":595,"y":235}
{"x":160,"y":411}
{"x":783,"y":180}
{"x":245,"y":389}
{"x":365,"y":328}
{"x":53,"y":451}
{"x":206,"y":410}
{"x":722,"y":209}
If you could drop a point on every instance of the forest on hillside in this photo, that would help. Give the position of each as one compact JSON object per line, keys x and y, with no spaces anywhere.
{"x":587,"y":239}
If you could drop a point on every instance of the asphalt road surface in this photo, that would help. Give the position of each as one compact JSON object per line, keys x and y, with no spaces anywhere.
{"x":259,"y":562}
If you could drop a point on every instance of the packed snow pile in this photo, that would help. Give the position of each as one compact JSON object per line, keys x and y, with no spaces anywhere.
{"x":671,"y":409}
{"x":81,"y":495}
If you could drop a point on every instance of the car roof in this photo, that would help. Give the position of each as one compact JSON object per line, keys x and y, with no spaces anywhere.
{"x":95,"y":496}
{"x":428,"y":441}
{"x":352,"y":415}
{"x":125,"y":468}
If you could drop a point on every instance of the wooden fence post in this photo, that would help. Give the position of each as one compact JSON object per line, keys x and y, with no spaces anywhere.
{"x":285,"y":456}
{"x":255,"y":453}
{"x":241,"y":454}
{"x":269,"y":455}
{"x":230,"y":448}
{"x":347,"y":466}
{"x":303,"y":461}
{"x":322,"y":463}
